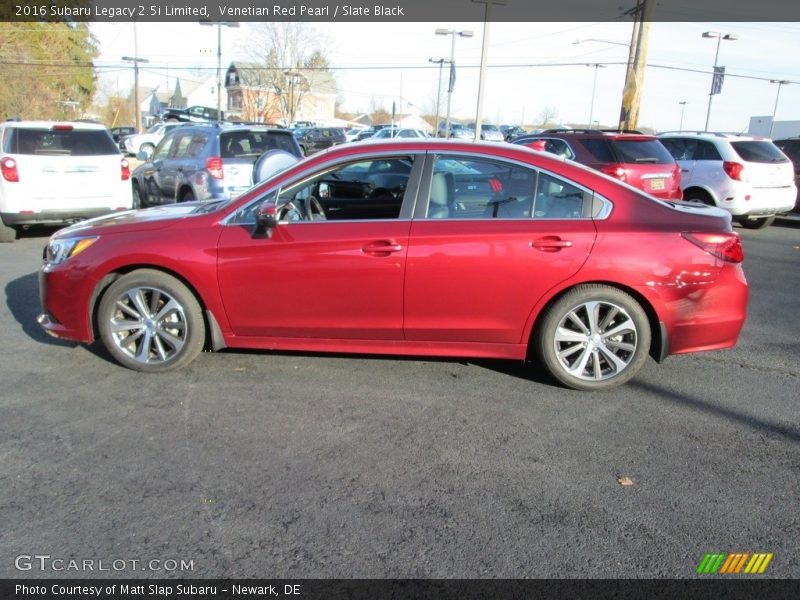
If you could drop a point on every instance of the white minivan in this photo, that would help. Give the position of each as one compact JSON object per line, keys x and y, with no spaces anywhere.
{"x":56,"y":173}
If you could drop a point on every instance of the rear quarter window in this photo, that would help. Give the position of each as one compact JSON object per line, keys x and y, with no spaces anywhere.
{"x":759,"y":151}
{"x":97,"y":142}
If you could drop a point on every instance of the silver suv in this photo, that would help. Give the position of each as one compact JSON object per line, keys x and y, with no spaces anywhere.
{"x":748,"y":176}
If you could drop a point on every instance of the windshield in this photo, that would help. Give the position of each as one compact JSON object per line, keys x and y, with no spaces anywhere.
{"x":61,"y":142}
{"x":643,"y":152}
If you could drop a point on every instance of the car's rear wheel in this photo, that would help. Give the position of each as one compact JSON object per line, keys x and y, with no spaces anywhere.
{"x":698,"y":196}
{"x":594,"y":337}
{"x":7,"y":233}
{"x":187,"y":196}
{"x":151,"y":322}
{"x":759,"y":223}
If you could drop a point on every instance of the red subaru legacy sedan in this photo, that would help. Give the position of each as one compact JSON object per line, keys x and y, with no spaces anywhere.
{"x":428,"y":248}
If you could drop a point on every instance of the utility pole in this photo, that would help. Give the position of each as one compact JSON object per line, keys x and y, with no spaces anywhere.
{"x":440,"y":62}
{"x":637,"y":62}
{"x":137,"y":109}
{"x":487,"y":18}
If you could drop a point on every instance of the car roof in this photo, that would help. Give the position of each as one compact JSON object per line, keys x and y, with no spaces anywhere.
{"x":51,"y":124}
{"x":714,"y":135}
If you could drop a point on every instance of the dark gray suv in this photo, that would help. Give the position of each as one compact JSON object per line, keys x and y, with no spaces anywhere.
{"x":206,"y":162}
{"x":314,"y":139}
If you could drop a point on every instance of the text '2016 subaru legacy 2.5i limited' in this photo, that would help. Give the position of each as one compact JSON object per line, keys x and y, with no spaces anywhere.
{"x":427,"y":248}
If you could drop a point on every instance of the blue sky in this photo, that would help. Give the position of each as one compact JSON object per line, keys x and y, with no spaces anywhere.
{"x":383,"y":62}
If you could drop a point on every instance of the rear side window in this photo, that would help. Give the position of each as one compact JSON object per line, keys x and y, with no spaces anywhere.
{"x":650,"y":152}
{"x":759,"y":152}
{"x":706,"y":151}
{"x":68,"y":142}
{"x":600,"y":150}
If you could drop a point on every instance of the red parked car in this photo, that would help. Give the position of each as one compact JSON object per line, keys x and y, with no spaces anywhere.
{"x":430,"y":247}
{"x":637,"y":159}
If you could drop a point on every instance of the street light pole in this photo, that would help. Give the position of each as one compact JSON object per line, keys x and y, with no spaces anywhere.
{"x":454,"y":33}
{"x":440,"y":62}
{"x":594,"y":87}
{"x":780,"y":82}
{"x":720,"y":37}
{"x":219,"y":25}
{"x":683,"y":110}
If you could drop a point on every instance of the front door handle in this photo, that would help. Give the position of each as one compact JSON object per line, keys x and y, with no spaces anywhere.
{"x":382,"y":248}
{"x":550,"y":243}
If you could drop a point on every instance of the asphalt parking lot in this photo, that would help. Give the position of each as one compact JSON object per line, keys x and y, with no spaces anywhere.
{"x":314,"y":466}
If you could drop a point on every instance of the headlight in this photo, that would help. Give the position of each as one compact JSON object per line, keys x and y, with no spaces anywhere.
{"x":60,"y":249}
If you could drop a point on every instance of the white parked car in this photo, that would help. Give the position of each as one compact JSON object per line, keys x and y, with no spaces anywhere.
{"x":58,"y":173}
{"x":388,"y":132}
{"x":146,"y":142}
{"x":748,"y":176}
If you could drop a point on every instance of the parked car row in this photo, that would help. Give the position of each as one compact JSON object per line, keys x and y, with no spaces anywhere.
{"x":747,"y":176}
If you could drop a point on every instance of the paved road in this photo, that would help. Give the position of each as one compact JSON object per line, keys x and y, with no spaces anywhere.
{"x":292,"y":465}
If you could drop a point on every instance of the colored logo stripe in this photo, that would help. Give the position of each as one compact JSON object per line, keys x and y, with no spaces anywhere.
{"x":733,"y":563}
{"x":758,"y":563}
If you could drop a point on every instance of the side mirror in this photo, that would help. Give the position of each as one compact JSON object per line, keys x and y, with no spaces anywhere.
{"x":143,"y":156}
{"x":266,"y":219}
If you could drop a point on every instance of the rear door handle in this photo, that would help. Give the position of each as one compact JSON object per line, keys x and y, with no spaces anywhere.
{"x":382,"y":248}
{"x":550,"y":243}
{"x":684,"y":170}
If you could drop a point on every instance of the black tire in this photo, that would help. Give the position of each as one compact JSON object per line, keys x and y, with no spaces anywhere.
{"x":161,"y":327}
{"x":759,"y":223}
{"x":138,"y":201}
{"x":7,"y":233}
{"x":698,"y":196}
{"x":603,"y":361}
{"x":187,"y":196}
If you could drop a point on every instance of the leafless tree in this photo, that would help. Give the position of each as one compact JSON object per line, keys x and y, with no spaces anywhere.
{"x":291,"y":63}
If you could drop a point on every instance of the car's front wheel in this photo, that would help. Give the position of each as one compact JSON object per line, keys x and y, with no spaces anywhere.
{"x":151,"y":322}
{"x":595,"y":337}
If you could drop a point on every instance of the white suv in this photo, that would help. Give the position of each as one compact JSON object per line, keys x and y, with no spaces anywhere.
{"x":747,"y":176}
{"x":58,"y":173}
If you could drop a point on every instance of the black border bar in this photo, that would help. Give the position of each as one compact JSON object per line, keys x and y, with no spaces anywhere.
{"x":402,"y":589}
{"x":440,"y":11}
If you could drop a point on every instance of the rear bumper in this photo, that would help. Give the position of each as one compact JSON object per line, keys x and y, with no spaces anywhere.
{"x":56,"y":217}
{"x":759,"y":202}
{"x":710,"y":317}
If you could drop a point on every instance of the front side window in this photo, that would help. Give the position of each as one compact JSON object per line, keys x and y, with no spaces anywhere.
{"x":681,"y":148}
{"x":162,"y":150}
{"x":362,"y":190}
{"x":479,"y":188}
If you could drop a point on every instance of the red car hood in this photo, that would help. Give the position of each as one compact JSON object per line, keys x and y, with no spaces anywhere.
{"x":146,"y":219}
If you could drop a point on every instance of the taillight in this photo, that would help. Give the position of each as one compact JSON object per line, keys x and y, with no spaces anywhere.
{"x":616,"y":171}
{"x":125,"y":169}
{"x":214,"y":167}
{"x":62,"y":127}
{"x":9,"y":167}
{"x":733,"y":169}
{"x":726,"y":246}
